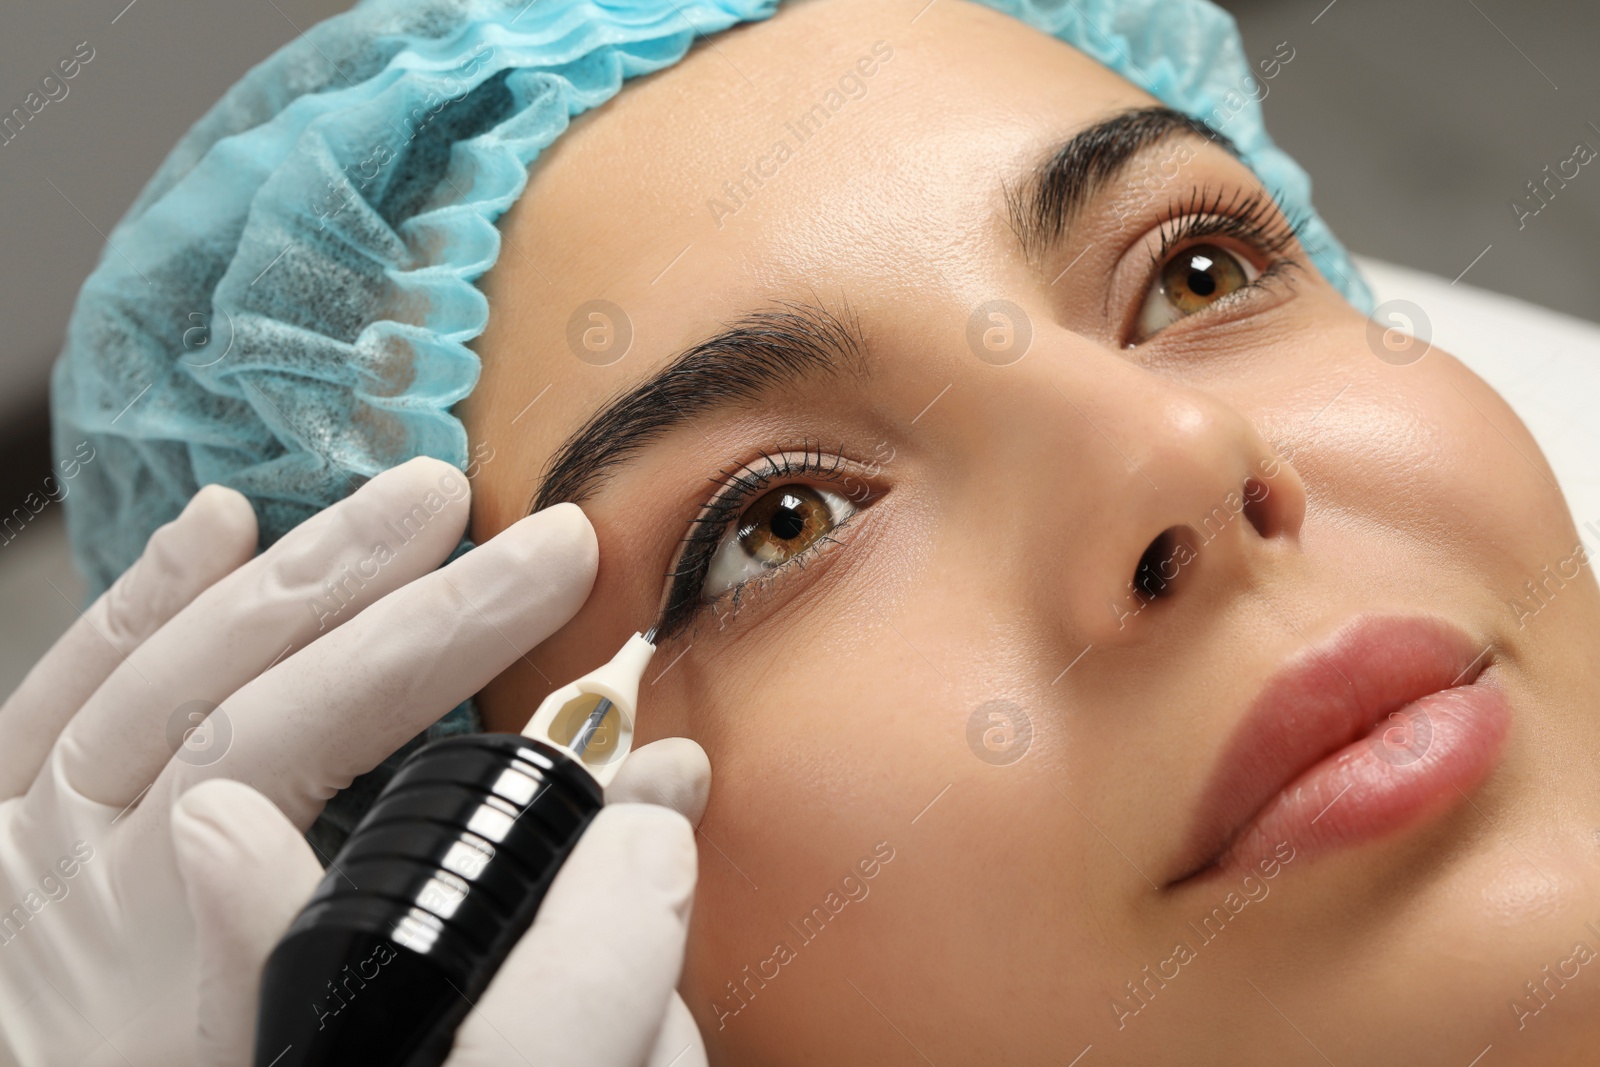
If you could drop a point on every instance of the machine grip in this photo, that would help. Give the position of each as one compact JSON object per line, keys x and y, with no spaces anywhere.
{"x":422,"y":905}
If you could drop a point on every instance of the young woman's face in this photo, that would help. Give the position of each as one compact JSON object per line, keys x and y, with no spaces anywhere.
{"x":995,"y":509}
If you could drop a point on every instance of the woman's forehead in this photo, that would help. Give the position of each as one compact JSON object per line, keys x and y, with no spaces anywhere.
{"x":803,"y":143}
{"x":795,"y":160}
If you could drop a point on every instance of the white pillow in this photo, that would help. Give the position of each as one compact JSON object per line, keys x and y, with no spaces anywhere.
{"x":1546,"y":365}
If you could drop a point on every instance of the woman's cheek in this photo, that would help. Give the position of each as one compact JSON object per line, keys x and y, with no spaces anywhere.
{"x":805,"y":785}
{"x":1487,"y":478}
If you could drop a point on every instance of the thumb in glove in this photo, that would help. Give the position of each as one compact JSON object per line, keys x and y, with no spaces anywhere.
{"x":248,"y":872}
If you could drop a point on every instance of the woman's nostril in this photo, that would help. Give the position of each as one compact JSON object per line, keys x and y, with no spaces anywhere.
{"x":1256,"y":509}
{"x":1158,"y":568}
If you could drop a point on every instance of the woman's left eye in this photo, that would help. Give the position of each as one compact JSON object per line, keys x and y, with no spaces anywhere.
{"x":776,"y":528}
{"x":1191,"y":280}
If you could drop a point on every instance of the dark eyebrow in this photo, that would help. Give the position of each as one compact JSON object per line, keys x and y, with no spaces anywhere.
{"x":778,"y":346}
{"x":789,"y":342}
{"x":1065,"y":180}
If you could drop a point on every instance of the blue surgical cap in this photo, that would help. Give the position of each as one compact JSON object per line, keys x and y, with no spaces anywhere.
{"x":286,"y":307}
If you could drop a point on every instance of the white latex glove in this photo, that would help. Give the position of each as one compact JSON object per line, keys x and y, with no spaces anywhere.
{"x":591,"y":984}
{"x":316,"y":684}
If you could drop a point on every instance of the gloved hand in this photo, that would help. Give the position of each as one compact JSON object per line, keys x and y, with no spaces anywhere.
{"x":322,"y":655}
{"x":589,"y":985}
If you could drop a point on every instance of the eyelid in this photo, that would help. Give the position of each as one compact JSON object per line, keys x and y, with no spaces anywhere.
{"x":737,"y":487}
{"x":1246,"y":211}
{"x":1248,"y":217}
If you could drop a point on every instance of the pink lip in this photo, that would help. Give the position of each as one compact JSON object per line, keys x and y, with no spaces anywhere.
{"x":1388,"y":720}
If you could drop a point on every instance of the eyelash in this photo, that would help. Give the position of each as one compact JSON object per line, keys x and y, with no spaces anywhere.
{"x":738,"y":488}
{"x":1252,"y":219}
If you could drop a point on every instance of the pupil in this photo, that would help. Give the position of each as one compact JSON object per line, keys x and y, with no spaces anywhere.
{"x":1200,"y":283}
{"x":787,"y":524}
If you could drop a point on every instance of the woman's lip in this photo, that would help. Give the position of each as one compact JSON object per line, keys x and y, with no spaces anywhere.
{"x":1389,"y":718}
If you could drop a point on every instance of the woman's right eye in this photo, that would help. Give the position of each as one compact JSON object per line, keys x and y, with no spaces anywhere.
{"x":1221,"y":246}
{"x":1191,"y":280}
{"x":778,"y":527}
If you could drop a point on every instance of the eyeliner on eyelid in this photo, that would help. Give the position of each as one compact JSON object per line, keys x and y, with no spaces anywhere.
{"x":738,"y":488}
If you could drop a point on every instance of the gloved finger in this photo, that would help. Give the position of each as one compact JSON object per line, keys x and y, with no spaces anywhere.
{"x":213,"y":535}
{"x":673,"y":772}
{"x":679,"y":1044}
{"x":399,"y":525}
{"x":588,"y":984}
{"x":247,"y":872}
{"x":336,"y":708}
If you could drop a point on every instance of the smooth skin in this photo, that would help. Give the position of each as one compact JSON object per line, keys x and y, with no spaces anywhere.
{"x":1000,"y":543}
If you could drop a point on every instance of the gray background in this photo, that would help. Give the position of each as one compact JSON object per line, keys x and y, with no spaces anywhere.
{"x":1418,"y":119}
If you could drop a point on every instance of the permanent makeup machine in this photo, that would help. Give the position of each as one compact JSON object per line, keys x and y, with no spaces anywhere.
{"x":441,"y":878}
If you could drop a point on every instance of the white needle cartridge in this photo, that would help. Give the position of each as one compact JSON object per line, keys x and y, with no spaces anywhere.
{"x":593,"y":717}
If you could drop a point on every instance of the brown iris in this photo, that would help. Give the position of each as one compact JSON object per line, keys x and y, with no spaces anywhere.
{"x":1201,"y":275}
{"x":784,"y":523}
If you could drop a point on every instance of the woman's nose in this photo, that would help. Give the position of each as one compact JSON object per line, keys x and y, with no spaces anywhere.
{"x":1192,"y":499}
